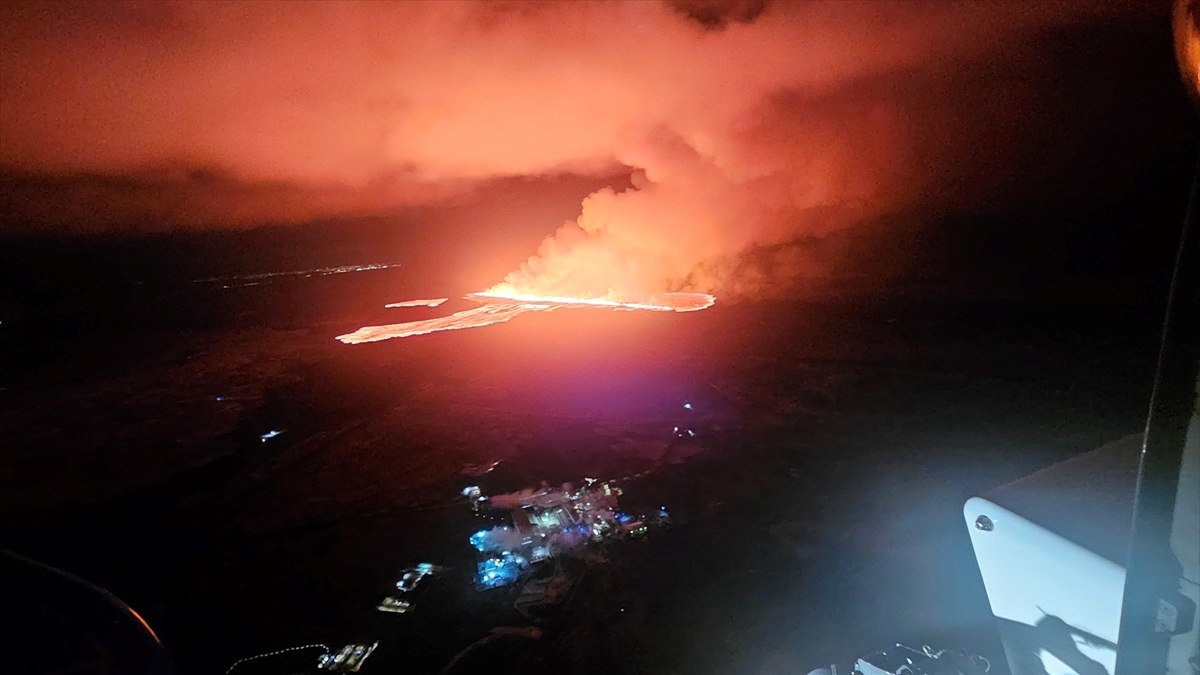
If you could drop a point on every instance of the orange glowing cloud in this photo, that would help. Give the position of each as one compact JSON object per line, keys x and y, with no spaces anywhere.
{"x":741,"y":124}
{"x":347,"y":93}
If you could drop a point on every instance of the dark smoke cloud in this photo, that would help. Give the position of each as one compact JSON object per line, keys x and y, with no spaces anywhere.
{"x":743,"y":124}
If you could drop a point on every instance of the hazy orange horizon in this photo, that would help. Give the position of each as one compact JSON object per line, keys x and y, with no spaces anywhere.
{"x":740,"y":125}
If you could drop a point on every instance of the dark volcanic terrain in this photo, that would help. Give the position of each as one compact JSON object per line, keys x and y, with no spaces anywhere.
{"x":816,"y":515}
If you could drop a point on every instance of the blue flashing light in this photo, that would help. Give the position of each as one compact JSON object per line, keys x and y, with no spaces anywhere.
{"x":498,"y":571}
{"x":425,"y":568}
{"x":624,"y":517}
{"x":478,"y":539}
{"x":269,"y":435}
{"x":220,"y":398}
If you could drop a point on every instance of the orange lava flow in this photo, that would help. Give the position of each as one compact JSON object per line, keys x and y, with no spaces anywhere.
{"x":433,"y":302}
{"x":499,"y":307}
{"x":666,"y":302}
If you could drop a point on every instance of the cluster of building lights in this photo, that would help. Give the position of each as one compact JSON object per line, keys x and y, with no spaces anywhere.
{"x":549,"y":522}
{"x":348,"y":659}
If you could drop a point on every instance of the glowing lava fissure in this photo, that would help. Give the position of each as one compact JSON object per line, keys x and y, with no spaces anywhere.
{"x":665,"y":302}
{"x":500,"y":307}
{"x":432,"y":302}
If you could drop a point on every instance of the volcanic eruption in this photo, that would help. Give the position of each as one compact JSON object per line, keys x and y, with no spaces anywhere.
{"x":498,"y":306}
{"x":723,"y":129}
{"x":604,"y":259}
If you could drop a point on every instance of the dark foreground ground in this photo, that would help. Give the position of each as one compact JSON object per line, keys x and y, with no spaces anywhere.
{"x":816,"y":517}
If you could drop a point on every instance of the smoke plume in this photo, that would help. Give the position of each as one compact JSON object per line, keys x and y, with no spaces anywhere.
{"x":741,"y":124}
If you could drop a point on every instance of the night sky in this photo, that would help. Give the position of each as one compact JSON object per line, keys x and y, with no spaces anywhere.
{"x":750,"y":148}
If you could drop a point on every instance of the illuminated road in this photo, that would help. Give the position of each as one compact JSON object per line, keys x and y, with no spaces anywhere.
{"x":277,"y":652}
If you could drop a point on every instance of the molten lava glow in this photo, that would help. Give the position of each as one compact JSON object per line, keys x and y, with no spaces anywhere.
{"x":434,"y":302}
{"x":665,"y":302}
{"x":499,"y":307}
